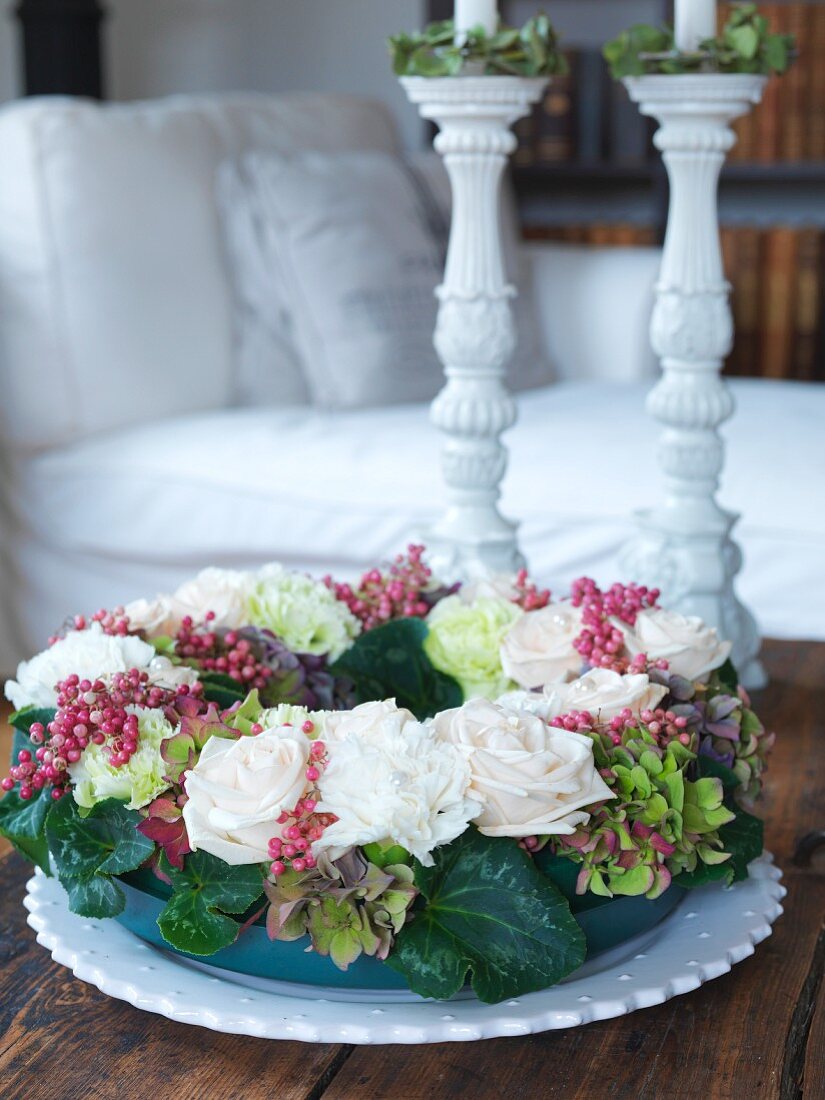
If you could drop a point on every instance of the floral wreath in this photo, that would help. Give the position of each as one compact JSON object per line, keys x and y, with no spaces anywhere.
{"x":396,"y":768}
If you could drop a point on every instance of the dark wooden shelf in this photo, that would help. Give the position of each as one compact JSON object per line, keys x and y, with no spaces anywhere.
{"x":532,"y":177}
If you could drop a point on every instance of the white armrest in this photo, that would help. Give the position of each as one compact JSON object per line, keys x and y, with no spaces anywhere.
{"x":594,"y":307}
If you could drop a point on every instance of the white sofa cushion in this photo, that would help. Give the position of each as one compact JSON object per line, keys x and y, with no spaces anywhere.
{"x":114,"y":300}
{"x":350,"y":248}
{"x":594,"y":307}
{"x":144,"y":508}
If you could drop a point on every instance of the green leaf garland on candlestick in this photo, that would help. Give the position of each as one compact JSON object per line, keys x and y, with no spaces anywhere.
{"x":745,"y":45}
{"x":531,"y":51}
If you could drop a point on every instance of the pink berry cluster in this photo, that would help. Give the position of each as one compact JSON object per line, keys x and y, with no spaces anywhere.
{"x":396,"y":594}
{"x":301,"y":825}
{"x":529,"y":597}
{"x":87,"y":713}
{"x":601,"y":641}
{"x":113,"y":622}
{"x":664,"y":725}
{"x":225,"y":652}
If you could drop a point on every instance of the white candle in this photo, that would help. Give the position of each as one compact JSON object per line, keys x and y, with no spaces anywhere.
{"x":695,"y":20}
{"x":474,"y":13}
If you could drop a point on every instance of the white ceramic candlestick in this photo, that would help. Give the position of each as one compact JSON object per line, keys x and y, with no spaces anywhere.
{"x":474,"y":334}
{"x":684,"y":544}
{"x":694,"y":21}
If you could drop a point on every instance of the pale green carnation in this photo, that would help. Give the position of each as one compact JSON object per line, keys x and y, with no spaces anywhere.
{"x":288,"y":714}
{"x":302,"y":612}
{"x":136,"y":783}
{"x":464,"y":640}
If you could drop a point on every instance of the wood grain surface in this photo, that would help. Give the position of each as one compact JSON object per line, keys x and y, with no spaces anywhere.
{"x":756,"y":1032}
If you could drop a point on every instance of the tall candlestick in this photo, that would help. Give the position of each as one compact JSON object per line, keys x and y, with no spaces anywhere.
{"x":695,"y":20}
{"x":684,"y":545}
{"x":476,"y":13}
{"x":475,"y":334}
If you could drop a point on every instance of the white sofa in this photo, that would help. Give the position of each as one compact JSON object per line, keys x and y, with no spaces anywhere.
{"x":126,"y":467}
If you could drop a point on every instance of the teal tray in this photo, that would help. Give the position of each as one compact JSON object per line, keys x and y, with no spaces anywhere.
{"x":606,"y":923}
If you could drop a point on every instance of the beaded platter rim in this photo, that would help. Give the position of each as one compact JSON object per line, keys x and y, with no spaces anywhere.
{"x":711,"y":931}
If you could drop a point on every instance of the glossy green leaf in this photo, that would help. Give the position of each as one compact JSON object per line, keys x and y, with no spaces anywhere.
{"x":221,"y":689}
{"x":390,"y":662}
{"x":88,"y":849}
{"x":194,"y":920}
{"x":485,"y":908}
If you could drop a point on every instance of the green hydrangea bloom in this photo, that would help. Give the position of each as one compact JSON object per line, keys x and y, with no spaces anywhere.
{"x":464,"y":641}
{"x":137,"y":783}
{"x":302,"y":612}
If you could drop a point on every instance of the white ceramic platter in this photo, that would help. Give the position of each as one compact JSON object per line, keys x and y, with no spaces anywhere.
{"x":710,"y":931}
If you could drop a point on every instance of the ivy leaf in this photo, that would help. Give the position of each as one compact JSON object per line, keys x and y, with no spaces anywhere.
{"x":488,"y":910}
{"x":88,"y":850}
{"x":22,"y":822}
{"x":24,"y":719}
{"x":194,"y":920}
{"x":390,"y":662}
{"x":24,"y":819}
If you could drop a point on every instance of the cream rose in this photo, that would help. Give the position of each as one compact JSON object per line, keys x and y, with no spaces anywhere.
{"x":223,"y":591}
{"x":690,"y":647}
{"x":395,"y":783}
{"x":238,"y":789}
{"x":159,"y":617}
{"x":498,"y":586}
{"x":538,"y":647}
{"x":533,"y":780}
{"x":604,"y":694}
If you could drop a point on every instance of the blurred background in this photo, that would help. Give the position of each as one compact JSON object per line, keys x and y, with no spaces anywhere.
{"x":585,"y":171}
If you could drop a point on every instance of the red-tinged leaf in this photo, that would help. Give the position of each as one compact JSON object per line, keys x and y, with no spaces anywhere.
{"x":170,"y":835}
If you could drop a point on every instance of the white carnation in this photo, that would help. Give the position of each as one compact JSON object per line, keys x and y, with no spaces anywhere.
{"x":90,"y":654}
{"x":395,"y":784}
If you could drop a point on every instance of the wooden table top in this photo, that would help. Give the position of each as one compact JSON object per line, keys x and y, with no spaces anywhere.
{"x":759,"y":1031}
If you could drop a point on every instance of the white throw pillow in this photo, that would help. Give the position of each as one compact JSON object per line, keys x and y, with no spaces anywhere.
{"x":335,"y":260}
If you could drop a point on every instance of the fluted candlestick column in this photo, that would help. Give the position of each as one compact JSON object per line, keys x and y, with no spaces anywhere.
{"x":474,"y":334}
{"x":684,"y":544}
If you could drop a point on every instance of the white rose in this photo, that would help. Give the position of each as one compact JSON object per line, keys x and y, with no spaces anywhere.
{"x":690,"y":647}
{"x":394,"y":784}
{"x":533,"y":780}
{"x":604,"y":694}
{"x":87,"y":653}
{"x":538,"y":647}
{"x":224,"y":591}
{"x":498,"y":586}
{"x":158,"y":617}
{"x":238,"y":789}
{"x":364,"y":721}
